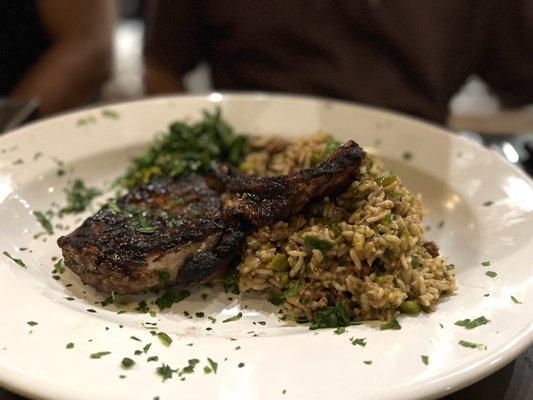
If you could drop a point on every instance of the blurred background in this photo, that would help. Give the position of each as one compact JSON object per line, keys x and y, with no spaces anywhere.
{"x":467,"y":65}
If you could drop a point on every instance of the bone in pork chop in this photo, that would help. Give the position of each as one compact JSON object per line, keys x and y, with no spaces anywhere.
{"x":177,"y":231}
{"x":169,"y":231}
{"x":265,"y":200}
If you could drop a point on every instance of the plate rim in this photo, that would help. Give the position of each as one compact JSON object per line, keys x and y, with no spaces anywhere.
{"x":20,"y":382}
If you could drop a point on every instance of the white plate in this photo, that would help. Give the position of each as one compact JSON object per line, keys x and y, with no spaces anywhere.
{"x":454,"y":176}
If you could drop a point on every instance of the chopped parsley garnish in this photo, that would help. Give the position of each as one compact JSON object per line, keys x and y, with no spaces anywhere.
{"x":91,"y":310}
{"x":204,"y":296}
{"x":392,"y":325}
{"x":200,"y":314}
{"x":18,"y":161}
{"x":32,"y":323}
{"x":86,"y":121}
{"x":515,"y":300}
{"x":213,"y":365}
{"x":152,"y":358}
{"x":165,"y":372}
{"x":164,"y":276}
{"x":108,"y":300}
{"x":189,"y":369}
{"x":335,"y":228}
{"x":207,"y":370}
{"x":331,"y":317}
{"x":135,"y":338}
{"x":491,"y":274}
{"x":488,"y":203}
{"x":368,"y":362}
{"x":142,"y":307}
{"x":69,"y":345}
{"x":231,"y":282}
{"x":315,"y":243}
{"x":107,"y":113}
{"x":340,"y":330}
{"x":407,"y":155}
{"x":113,"y":207}
{"x":425,"y":359}
{"x":276,"y":300}
{"x":188,"y":147}
{"x":60,"y":167}
{"x":37,"y":155}
{"x":100,"y":354}
{"x":358,"y":342}
{"x":262,"y":323}
{"x":212,"y":319}
{"x":293,"y":289}
{"x":234,"y":318}
{"x":59,"y":267}
{"x":485,"y":263}
{"x":471,"y":324}
{"x":127,"y":362}
{"x":241,"y":365}
{"x":79,"y":197}
{"x":441,"y":224}
{"x":147,"y":347}
{"x":169,"y":298}
{"x":44,"y":221}
{"x":471,"y":345}
{"x":17,"y":261}
{"x":165,"y":339}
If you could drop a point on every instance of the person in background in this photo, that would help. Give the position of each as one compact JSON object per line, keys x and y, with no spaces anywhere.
{"x":55,"y":51}
{"x":410,"y":55}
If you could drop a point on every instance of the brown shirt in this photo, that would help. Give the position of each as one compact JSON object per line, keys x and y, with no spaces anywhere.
{"x":407,"y":55}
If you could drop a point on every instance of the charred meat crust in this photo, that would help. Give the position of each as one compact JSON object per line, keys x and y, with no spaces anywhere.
{"x":265,"y":200}
{"x":207,"y":265}
{"x":180,"y":212}
{"x":140,"y":243}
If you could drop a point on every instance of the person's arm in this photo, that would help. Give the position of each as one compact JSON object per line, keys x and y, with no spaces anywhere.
{"x":173,"y":44}
{"x":74,"y":68}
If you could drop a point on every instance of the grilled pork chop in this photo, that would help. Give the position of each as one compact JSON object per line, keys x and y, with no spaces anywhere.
{"x":166,"y":232}
{"x":178,"y":231}
{"x":265,"y":200}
